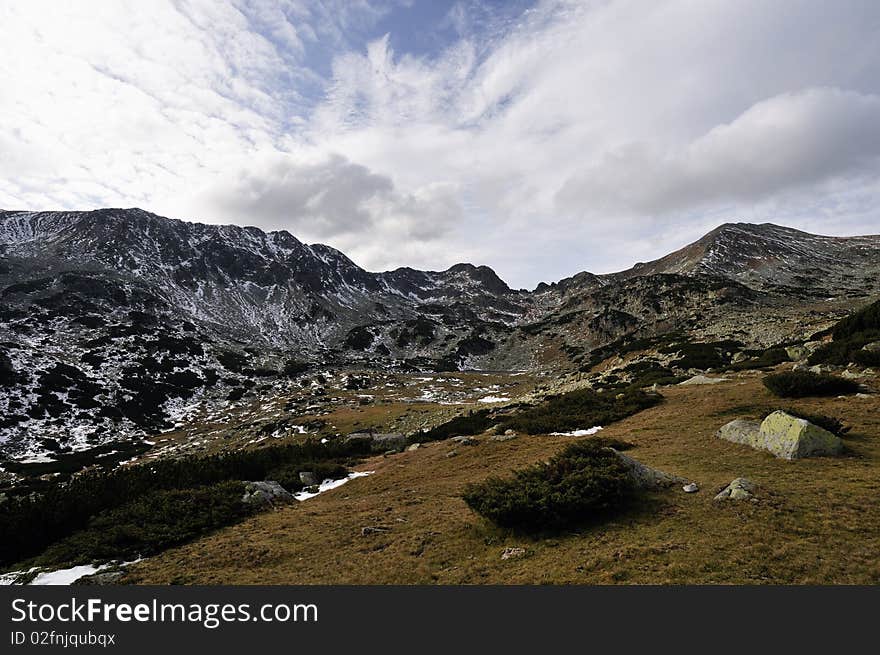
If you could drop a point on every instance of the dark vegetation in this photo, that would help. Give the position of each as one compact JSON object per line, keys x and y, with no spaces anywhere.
{"x":575,"y":410}
{"x":138,"y":496}
{"x":800,"y":384}
{"x":850,"y":336}
{"x":583,"y":408}
{"x":583,"y":483}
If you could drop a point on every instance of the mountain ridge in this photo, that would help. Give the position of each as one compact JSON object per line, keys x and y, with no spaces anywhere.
{"x":113,"y":321}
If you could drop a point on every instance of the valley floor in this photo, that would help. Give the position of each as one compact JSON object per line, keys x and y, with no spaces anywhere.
{"x":817,"y":520}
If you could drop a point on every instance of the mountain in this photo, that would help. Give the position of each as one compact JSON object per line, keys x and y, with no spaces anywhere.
{"x":774,"y":258}
{"x":113,"y":322}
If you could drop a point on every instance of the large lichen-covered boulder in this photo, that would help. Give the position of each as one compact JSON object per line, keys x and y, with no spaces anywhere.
{"x":740,"y":431}
{"x":784,"y":435}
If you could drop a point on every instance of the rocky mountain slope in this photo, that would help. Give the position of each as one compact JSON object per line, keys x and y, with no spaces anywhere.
{"x":114,"y":322}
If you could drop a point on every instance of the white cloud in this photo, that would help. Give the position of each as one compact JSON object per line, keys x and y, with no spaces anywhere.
{"x":576,"y":135}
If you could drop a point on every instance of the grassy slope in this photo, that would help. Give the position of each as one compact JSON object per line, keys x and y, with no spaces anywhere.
{"x":818,"y":520}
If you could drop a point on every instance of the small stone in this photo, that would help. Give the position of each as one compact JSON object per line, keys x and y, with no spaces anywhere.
{"x":466,"y":441}
{"x":374,"y":529}
{"x":503,"y":437}
{"x":513,"y":552}
{"x":452,"y":453}
{"x":738,"y":489}
{"x":691,"y":488}
{"x":509,"y":432}
{"x":414,"y":446}
{"x":308,"y":478}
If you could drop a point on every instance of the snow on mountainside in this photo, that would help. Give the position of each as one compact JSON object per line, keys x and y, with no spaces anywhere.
{"x":115,"y":322}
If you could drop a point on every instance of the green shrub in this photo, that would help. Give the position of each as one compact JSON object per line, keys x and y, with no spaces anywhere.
{"x":831,"y":423}
{"x":850,"y":335}
{"x":867,"y":357}
{"x":584,"y":482}
{"x":473,"y":423}
{"x":583,"y":408}
{"x":769,"y":358}
{"x":798,"y":384}
{"x":702,"y":355}
{"x":148,"y":525}
{"x":29,"y":524}
{"x":866,"y":319}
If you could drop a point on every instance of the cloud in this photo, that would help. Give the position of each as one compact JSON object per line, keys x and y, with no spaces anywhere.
{"x":541,"y":138}
{"x":785,"y":142}
{"x":333,"y":199}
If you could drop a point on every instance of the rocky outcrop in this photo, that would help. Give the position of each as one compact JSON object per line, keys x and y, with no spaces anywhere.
{"x":647,"y":478}
{"x":701,"y":379}
{"x":265,"y":493}
{"x":783,"y":435}
{"x":738,"y":489}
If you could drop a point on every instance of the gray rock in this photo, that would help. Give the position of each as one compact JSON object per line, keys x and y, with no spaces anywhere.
{"x":101,"y":578}
{"x":701,"y":379}
{"x":738,"y":489}
{"x":785,"y":436}
{"x":739,"y":431}
{"x":690,"y":488}
{"x":873,"y":347}
{"x":308,"y":478}
{"x":513,"y":552}
{"x":466,"y":441}
{"x":645,"y":477}
{"x":265,"y":493}
{"x":452,"y":453}
{"x":389,"y":441}
{"x":374,"y":529}
{"x":414,"y":446}
{"x":503,"y":437}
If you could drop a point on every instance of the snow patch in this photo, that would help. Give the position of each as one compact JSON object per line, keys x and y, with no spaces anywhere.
{"x":578,"y":433}
{"x":327,"y":485}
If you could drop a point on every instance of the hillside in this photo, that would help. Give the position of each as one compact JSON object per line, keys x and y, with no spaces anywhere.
{"x":815,"y":521}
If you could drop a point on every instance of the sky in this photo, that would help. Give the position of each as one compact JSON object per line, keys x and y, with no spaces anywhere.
{"x":541,"y":138}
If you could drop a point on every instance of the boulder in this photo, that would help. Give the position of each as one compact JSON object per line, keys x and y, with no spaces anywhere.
{"x":466,"y":441}
{"x":266,"y":492}
{"x":513,"y":552}
{"x":359,"y":438}
{"x":645,"y":477}
{"x":389,"y":441}
{"x":308,"y":478}
{"x":739,"y":431}
{"x":414,"y":446}
{"x":784,"y":435}
{"x":691,"y":488}
{"x":738,"y":489}
{"x":701,"y":379}
{"x":873,"y":347}
{"x":503,"y":437}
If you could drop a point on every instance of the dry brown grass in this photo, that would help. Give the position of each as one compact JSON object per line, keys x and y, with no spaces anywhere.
{"x":818,"y":520}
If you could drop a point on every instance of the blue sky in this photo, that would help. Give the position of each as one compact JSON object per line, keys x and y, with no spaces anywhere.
{"x":541,"y":138}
